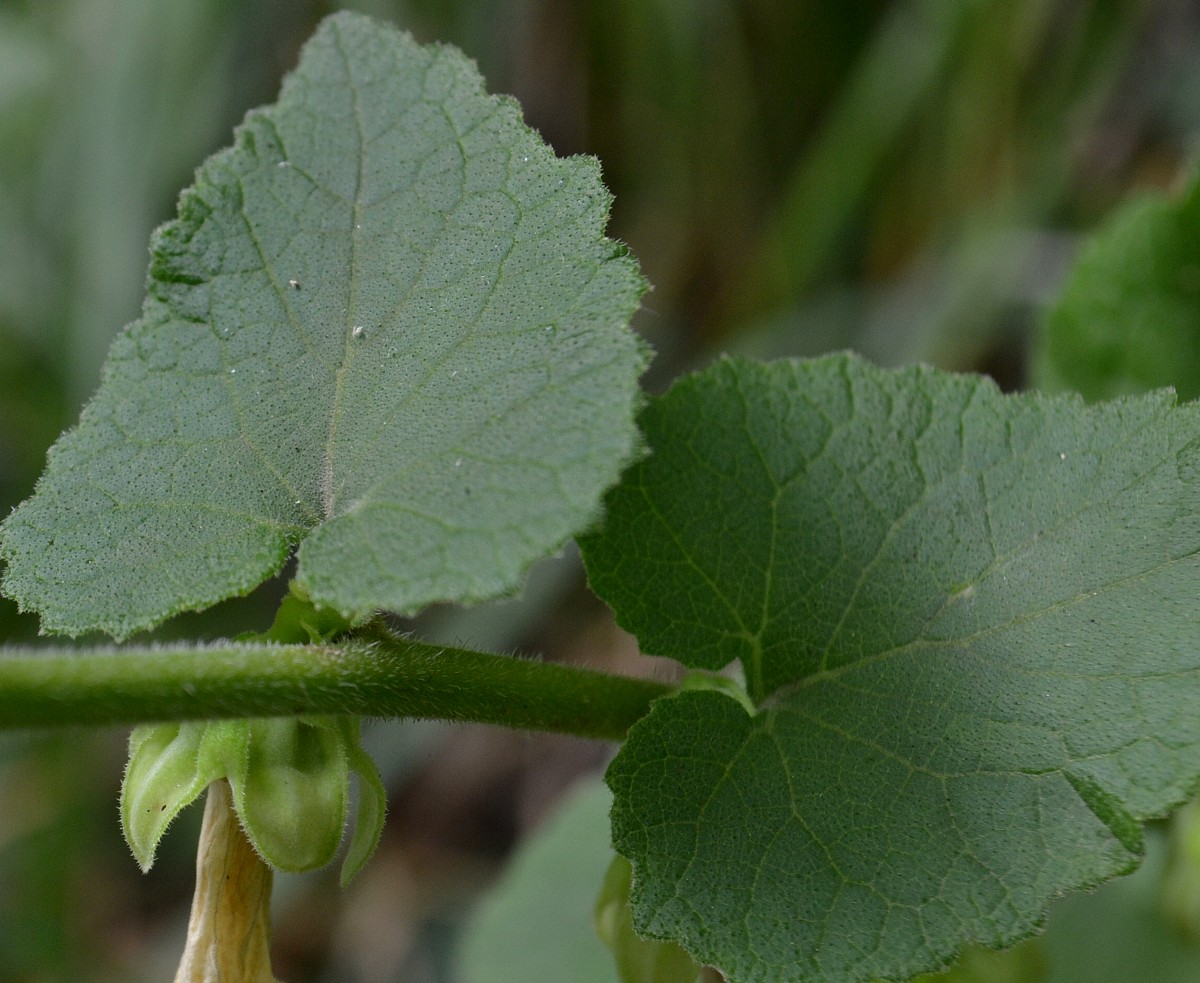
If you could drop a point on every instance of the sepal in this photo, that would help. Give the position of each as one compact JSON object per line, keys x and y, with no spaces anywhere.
{"x":372,"y":802}
{"x":290,"y":780}
{"x":170,"y":764}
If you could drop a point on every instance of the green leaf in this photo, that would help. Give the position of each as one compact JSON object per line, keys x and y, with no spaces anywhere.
{"x":967,"y":623}
{"x":1119,"y":934}
{"x":386,"y":328}
{"x":638,"y":960}
{"x":536,"y":923}
{"x":1128,"y":318}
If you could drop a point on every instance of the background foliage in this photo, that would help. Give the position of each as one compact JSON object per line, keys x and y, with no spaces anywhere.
{"x":904,"y":177}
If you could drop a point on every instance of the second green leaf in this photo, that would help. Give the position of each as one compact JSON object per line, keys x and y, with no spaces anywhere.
{"x":967,"y":623}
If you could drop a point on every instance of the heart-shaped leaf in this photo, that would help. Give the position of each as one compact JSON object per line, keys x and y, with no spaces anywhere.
{"x":968,"y":623}
{"x":386,"y":327}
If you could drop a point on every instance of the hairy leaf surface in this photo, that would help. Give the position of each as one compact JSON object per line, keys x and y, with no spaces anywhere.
{"x":968,"y":623}
{"x":386,"y":327}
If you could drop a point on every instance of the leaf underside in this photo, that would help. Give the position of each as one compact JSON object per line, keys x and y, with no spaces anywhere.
{"x":386,"y":327}
{"x":969,"y":623}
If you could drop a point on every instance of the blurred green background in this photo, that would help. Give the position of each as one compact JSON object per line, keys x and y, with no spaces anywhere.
{"x":908,"y":178}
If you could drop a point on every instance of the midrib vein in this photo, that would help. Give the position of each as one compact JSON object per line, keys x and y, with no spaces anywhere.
{"x":328,"y":493}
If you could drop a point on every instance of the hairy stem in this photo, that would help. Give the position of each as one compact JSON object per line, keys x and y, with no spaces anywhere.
{"x":388,"y":676}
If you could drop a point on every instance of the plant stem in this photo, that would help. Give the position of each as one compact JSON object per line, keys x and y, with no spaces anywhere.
{"x":229,"y":932}
{"x":388,"y":676}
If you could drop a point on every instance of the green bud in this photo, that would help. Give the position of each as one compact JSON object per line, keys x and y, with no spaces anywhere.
{"x":290,"y":778}
{"x":293,"y":797}
{"x":698,"y":679}
{"x":290,"y":781}
{"x":299,"y":621}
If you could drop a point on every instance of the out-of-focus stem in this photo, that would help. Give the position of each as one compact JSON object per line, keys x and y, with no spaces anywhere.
{"x":229,"y":937}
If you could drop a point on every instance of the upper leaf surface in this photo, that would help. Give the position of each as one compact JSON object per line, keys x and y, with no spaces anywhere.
{"x":968,"y":621}
{"x":1128,"y":318}
{"x":386,"y":324}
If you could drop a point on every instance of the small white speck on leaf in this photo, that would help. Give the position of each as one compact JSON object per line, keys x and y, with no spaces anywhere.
{"x":357,"y":331}
{"x":1062,"y":456}
{"x":294,"y":284}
